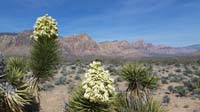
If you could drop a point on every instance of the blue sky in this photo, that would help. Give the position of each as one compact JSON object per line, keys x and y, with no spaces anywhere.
{"x":169,"y":22}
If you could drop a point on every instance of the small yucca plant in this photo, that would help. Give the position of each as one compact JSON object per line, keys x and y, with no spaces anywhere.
{"x":18,"y":62}
{"x":140,"y":79}
{"x":95,"y":93}
{"x":13,"y":99}
{"x":15,"y":70}
{"x":14,"y":92}
{"x":137,"y":105}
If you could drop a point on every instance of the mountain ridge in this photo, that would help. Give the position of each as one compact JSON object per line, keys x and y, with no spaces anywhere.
{"x":82,"y":45}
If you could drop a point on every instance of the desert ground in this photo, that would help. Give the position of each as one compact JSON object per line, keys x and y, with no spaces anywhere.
{"x":173,"y":90}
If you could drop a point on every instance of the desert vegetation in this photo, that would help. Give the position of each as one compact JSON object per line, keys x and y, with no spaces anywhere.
{"x":44,"y":82}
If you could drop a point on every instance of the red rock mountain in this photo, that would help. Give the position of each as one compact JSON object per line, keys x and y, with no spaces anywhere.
{"x":82,"y":45}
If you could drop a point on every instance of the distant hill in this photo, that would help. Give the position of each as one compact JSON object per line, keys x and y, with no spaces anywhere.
{"x":83,"y":46}
{"x":196,"y":47}
{"x":12,"y":34}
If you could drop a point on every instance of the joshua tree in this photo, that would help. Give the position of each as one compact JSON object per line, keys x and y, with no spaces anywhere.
{"x":44,"y":53}
{"x":95,"y":93}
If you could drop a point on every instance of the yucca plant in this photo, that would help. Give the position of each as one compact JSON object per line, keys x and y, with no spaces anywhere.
{"x":15,"y":70}
{"x":137,"y":105}
{"x":140,"y":80}
{"x":18,"y":62}
{"x":14,"y":92}
{"x":153,"y":106}
{"x":78,"y":103}
{"x":95,"y":93}
{"x":13,"y":99}
{"x":44,"y":53}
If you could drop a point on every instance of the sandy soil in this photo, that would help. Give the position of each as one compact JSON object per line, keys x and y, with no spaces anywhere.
{"x":54,"y":100}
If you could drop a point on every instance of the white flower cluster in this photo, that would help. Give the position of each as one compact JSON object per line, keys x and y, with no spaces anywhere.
{"x":45,"y":26}
{"x":98,"y":84}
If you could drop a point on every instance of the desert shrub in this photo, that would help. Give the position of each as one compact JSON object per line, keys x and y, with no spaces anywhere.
{"x":194,"y":79}
{"x":196,"y":92}
{"x":164,"y":80}
{"x":197,"y":72}
{"x":166,"y":99}
{"x":174,"y":78}
{"x":177,"y":65}
{"x":171,"y":75}
{"x":65,"y":74}
{"x":47,"y":86}
{"x":81,"y":71}
{"x":77,"y":77}
{"x":95,"y":93}
{"x":178,"y":70}
{"x":118,"y":79}
{"x":171,"y":88}
{"x":112,"y":70}
{"x":189,"y":85}
{"x":61,"y":80}
{"x":68,"y":81}
{"x":196,"y":85}
{"x":188,"y":71}
{"x":182,"y":91}
{"x":73,"y":67}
